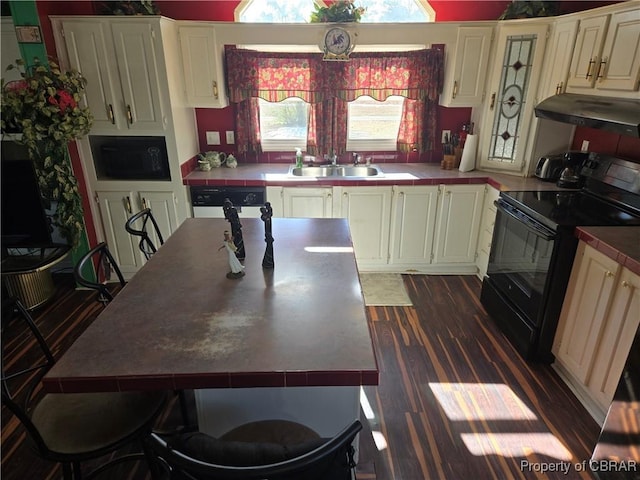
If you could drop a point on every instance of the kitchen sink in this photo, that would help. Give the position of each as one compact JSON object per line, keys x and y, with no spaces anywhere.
{"x":357,"y":171}
{"x":349,"y":171}
{"x":311,"y":171}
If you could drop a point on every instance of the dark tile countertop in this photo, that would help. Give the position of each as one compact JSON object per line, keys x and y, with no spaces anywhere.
{"x":181,"y":323}
{"x":269,"y":174}
{"x":622,"y":244}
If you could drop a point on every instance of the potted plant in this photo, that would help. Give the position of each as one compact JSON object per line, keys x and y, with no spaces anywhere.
{"x":341,"y":11}
{"x":44,"y":108}
{"x":529,"y":9}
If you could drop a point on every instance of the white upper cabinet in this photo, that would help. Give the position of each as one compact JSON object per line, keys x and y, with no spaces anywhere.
{"x":202,"y":65}
{"x":558,"y":58}
{"x":606,"y":60}
{"x":119,"y":61}
{"x":465,"y":86}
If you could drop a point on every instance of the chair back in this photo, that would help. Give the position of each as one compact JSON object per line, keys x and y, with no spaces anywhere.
{"x":104,"y":264}
{"x":22,"y":374}
{"x":333,"y":460}
{"x":137,"y":226}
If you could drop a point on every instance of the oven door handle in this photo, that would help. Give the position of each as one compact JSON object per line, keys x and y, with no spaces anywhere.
{"x":532,"y":225}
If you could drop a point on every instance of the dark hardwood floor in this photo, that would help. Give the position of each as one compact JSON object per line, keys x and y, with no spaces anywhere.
{"x":455,"y":400}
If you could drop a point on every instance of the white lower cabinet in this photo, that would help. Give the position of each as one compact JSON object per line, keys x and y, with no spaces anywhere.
{"x":487,"y":223}
{"x":599,"y":318}
{"x":458,"y":224}
{"x":421,"y":228}
{"x":368,"y":210}
{"x":116,"y":207}
{"x":307,"y":202}
{"x":412,"y":219}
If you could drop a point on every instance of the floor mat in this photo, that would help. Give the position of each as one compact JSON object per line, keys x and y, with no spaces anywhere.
{"x":384,"y":289}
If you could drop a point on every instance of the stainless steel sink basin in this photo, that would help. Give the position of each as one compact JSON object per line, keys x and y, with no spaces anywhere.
{"x":311,"y":171}
{"x":357,"y":171}
{"x":336,"y":171}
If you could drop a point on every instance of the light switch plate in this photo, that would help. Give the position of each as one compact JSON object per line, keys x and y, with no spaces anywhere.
{"x":446,"y":135}
{"x":230,"y":137}
{"x":213,"y":138}
{"x":585,"y":146}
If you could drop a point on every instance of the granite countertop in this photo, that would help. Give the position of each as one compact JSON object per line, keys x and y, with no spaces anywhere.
{"x":621,"y":244}
{"x":276,"y":174}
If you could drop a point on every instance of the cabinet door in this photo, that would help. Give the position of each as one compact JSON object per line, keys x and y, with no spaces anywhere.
{"x":619,"y":67}
{"x":458,"y":223}
{"x":585,"y":305}
{"x":586,"y":56}
{"x":115,"y":210}
{"x":202,"y":64}
{"x":274,"y":197}
{"x":619,"y":330}
{"x":469,"y":70}
{"x":368,"y":210}
{"x":139,"y":76}
{"x":486,"y":230}
{"x":163,"y":207}
{"x":88,"y":45}
{"x":413,"y":224}
{"x":513,"y":88}
{"x":308,"y":202}
{"x":558,"y":59}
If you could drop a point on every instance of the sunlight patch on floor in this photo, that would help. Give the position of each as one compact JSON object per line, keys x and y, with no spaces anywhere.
{"x":480,"y":401}
{"x":516,"y":445}
{"x":378,"y":437}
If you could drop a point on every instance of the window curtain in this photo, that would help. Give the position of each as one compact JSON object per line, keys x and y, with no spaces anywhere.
{"x":328,"y":86}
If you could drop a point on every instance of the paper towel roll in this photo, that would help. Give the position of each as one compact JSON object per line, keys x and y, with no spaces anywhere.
{"x":468,"y":161}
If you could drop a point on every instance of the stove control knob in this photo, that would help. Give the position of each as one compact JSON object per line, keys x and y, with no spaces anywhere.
{"x":250,"y":199}
{"x":592,"y":164}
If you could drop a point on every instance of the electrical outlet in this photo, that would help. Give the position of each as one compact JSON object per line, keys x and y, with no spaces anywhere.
{"x":213,"y":138}
{"x":446,"y":135}
{"x":585,"y":146}
{"x":230,"y":137}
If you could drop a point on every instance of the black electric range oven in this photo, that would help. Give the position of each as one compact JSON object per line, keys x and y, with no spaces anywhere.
{"x":534,"y":246}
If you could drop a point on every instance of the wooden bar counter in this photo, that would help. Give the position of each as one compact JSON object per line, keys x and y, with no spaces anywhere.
{"x":180,"y":323}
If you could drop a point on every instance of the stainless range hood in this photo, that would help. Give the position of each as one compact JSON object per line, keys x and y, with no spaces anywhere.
{"x":617,"y":115}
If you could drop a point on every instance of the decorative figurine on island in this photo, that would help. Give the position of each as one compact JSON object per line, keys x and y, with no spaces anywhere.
{"x":267,"y":213}
{"x":237,"y":269}
{"x":231,"y":214}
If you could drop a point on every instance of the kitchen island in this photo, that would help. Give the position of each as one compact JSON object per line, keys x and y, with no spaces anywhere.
{"x":276,"y":343}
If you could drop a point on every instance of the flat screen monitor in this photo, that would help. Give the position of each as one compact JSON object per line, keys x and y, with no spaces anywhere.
{"x":24,"y":220}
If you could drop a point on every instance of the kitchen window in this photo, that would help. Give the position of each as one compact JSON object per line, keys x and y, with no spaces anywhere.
{"x":372,"y":125}
{"x":374,"y":101}
{"x":283,"y":125}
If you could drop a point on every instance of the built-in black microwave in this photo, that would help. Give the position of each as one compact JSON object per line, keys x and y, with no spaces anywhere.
{"x":130,"y":158}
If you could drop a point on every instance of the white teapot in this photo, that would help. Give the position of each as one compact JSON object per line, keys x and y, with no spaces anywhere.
{"x":231,"y":161}
{"x":215,"y":158}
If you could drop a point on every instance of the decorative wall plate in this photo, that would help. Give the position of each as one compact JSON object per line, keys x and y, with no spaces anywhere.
{"x":338,"y":43}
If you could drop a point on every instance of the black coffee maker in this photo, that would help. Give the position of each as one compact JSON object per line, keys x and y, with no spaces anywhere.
{"x":572,"y":164}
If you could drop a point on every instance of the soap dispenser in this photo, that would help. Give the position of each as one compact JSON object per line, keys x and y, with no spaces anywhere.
{"x":298,"y":158}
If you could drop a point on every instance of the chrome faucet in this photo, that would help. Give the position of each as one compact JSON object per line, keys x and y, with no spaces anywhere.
{"x":356,"y":158}
{"x":332,"y":159}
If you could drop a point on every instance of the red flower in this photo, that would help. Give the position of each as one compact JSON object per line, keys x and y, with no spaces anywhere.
{"x":63,"y":100}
